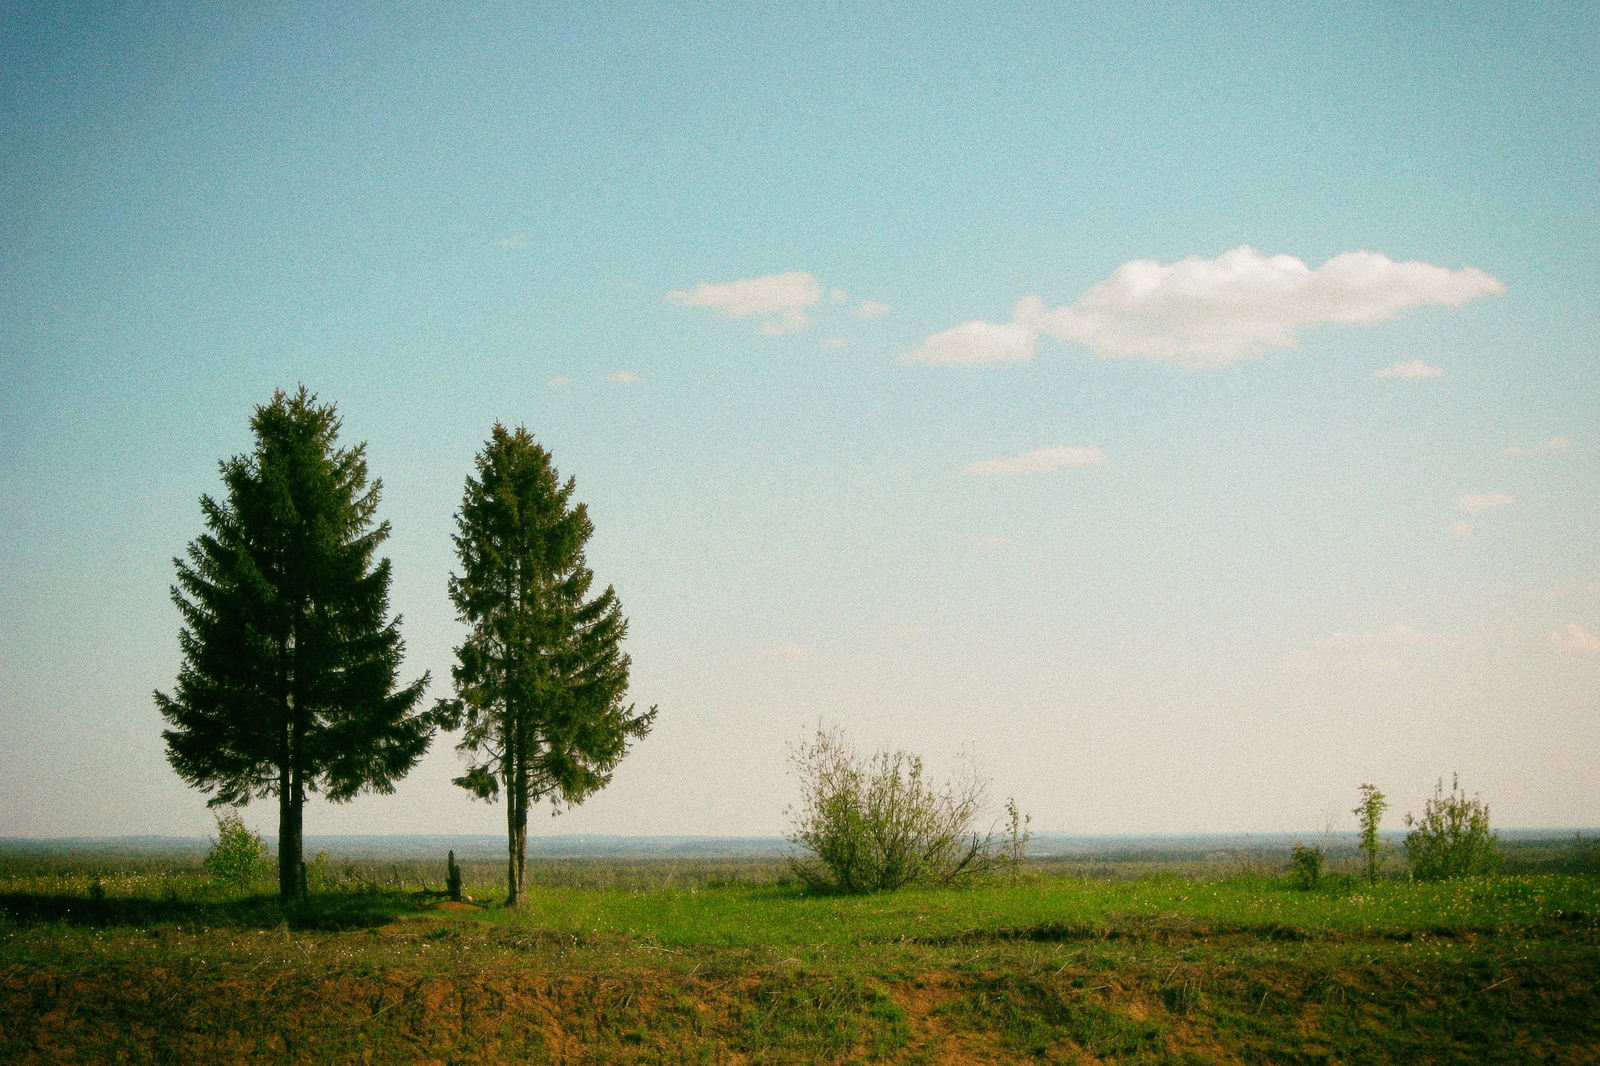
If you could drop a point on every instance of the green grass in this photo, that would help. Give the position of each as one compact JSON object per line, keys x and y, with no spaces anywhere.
{"x":684,"y":962}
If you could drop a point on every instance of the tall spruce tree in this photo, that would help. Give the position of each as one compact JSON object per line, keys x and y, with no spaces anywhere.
{"x":541,"y":676}
{"x":288,"y":681}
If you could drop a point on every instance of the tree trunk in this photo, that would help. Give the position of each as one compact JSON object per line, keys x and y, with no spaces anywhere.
{"x":291,"y":808}
{"x":288,"y":838}
{"x":517,"y":844}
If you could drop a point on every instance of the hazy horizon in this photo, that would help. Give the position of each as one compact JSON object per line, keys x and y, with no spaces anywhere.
{"x":1192,"y":414}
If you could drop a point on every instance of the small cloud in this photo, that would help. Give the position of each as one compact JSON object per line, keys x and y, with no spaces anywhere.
{"x":989,"y":542}
{"x":786,"y":653}
{"x":1214,"y":312}
{"x":1416,"y":370}
{"x":1362,"y":652}
{"x":984,"y":342}
{"x":1478,"y":502}
{"x":1041,"y":461}
{"x":558,"y":381}
{"x":871,"y":309}
{"x":1461,"y":530}
{"x":512,"y":242}
{"x":1554,"y":444}
{"x":781,"y":296}
{"x":839,"y":295}
{"x":835,"y":342}
{"x":1576,"y":640}
{"x":903,"y":631}
{"x":623,"y":377}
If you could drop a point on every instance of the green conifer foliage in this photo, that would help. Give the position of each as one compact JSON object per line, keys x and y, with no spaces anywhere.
{"x":541,"y":676}
{"x":288,"y":681}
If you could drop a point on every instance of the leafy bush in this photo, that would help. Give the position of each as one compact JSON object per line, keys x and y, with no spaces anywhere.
{"x":877,"y":824}
{"x":1305,"y":866}
{"x":237,"y":856}
{"x":1452,"y":838}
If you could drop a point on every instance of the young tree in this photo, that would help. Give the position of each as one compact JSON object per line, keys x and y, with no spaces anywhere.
{"x":541,"y":676}
{"x":237,"y":856}
{"x":1452,"y":838}
{"x":288,"y":682}
{"x":1369,"y":813}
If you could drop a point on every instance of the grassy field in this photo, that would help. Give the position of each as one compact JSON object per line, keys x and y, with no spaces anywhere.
{"x":726,"y":962}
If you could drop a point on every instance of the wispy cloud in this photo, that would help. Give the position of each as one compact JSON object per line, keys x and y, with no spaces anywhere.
{"x":1416,"y":370}
{"x":1461,"y":530}
{"x":786,"y":653}
{"x":623,"y":377}
{"x":1478,"y":502}
{"x":781,"y":297}
{"x":1377,"y":651}
{"x":512,"y":242}
{"x":558,"y":381}
{"x":1041,"y":461}
{"x":1576,"y":640}
{"x":839,"y":295}
{"x":989,"y":542}
{"x":1554,"y":444}
{"x":835,"y":342}
{"x":1213,"y":312}
{"x":871,"y":309}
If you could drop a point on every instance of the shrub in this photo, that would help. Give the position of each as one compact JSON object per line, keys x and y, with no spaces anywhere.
{"x":1305,"y":866}
{"x":877,"y":824}
{"x":1452,"y":838}
{"x":237,"y":856}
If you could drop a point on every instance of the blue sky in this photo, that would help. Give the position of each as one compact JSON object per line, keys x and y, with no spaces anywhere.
{"x":1199,"y":539}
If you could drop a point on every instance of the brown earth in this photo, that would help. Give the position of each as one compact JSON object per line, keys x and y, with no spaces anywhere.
{"x":305,"y":1005}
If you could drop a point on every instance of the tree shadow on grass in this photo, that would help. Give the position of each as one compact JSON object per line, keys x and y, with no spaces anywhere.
{"x":330,"y":912}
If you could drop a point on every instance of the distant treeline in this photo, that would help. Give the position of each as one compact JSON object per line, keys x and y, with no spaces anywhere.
{"x":1525,"y":850}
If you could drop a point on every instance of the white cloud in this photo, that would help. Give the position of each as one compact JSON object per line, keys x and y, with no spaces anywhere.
{"x":1362,"y":652}
{"x":1554,"y":444}
{"x":792,"y":319}
{"x":1576,"y":640}
{"x":512,"y":242}
{"x":871,"y":309}
{"x":989,"y":542}
{"x":1460,"y":529}
{"x":1213,"y":312}
{"x":839,"y":294}
{"x":558,"y":381}
{"x":782,"y":297}
{"x":985,"y":342}
{"x":1477,"y":502}
{"x":623,"y":377}
{"x":1416,"y":370}
{"x":786,"y":653}
{"x":1041,"y":461}
{"x":835,"y":342}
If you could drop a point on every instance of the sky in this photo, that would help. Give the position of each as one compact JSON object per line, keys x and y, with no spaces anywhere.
{"x":1188,"y":414}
